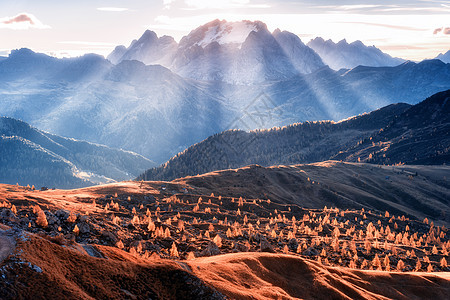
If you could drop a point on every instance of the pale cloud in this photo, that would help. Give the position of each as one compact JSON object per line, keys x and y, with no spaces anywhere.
{"x":22,"y":21}
{"x":222,"y":4}
{"x":390,"y":26}
{"x":86,"y":43}
{"x":113,"y":9}
{"x":414,"y":10}
{"x":163,"y":19}
{"x":349,"y":7}
{"x":167,"y":3}
{"x":437,"y":30}
{"x":443,"y":30}
{"x":427,"y":7}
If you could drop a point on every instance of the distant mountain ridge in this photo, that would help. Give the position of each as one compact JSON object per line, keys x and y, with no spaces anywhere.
{"x":298,"y":143}
{"x":444,"y":57}
{"x":343,"y":55}
{"x":242,"y":52}
{"x":245,"y":52}
{"x":420,"y":135}
{"x":157,"y":113}
{"x":148,"y":49}
{"x":400,"y":133}
{"x":31,"y":156}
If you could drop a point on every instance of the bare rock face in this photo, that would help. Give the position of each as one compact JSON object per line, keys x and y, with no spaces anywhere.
{"x":109,"y":237}
{"x":293,"y":244}
{"x":8,"y":216}
{"x":310,"y":252}
{"x":211,"y":250}
{"x":51,"y":218}
{"x":265,"y":246}
{"x":84,"y":227}
{"x":240,"y":248}
{"x":62,"y":214}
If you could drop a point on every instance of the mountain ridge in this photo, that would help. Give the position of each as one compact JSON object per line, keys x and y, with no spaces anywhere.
{"x":445,"y":57}
{"x":56,"y":161}
{"x":366,"y":138}
{"x":194,"y":51}
{"x":134,"y":106}
{"x":296,"y":143}
{"x":342,"y":55}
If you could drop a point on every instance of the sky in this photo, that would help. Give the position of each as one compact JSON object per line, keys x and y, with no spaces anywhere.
{"x":413,"y":29}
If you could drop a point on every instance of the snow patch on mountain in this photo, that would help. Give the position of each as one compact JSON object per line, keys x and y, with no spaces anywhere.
{"x":224,"y":32}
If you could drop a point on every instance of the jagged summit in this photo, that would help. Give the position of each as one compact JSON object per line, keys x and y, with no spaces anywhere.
{"x":245,"y":52}
{"x":148,"y":49}
{"x":222,"y":32}
{"x":242,"y":52}
{"x":344,"y":55}
{"x":445,"y":57}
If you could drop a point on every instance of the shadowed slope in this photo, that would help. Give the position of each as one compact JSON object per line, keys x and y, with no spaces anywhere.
{"x":40,"y":269}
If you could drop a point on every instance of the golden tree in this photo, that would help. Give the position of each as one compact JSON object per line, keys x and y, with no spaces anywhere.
{"x":41,"y":218}
{"x":174,"y":250}
{"x":400,"y":265}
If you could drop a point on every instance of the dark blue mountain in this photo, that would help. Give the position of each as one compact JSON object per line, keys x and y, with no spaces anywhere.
{"x":31,"y":156}
{"x":150,"y":110}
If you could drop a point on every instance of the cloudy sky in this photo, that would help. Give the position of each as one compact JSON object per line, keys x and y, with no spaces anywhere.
{"x":413,"y":29}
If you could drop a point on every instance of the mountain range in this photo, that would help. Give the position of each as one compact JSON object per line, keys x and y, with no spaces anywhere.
{"x":31,"y":156}
{"x":158,"y":112}
{"x":400,"y":133}
{"x":134,"y":107}
{"x":246,"y":52}
{"x":343,"y":55}
{"x":420,"y":135}
{"x":233,"y":52}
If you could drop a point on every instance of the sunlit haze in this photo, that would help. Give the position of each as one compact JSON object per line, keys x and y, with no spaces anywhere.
{"x":414,"y":30}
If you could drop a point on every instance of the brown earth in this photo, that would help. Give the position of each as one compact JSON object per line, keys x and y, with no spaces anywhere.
{"x":41,"y":269}
{"x":206,"y":237}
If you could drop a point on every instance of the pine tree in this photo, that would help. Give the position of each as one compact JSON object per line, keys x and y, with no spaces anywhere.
{"x":119,"y":244}
{"x":174,"y":250}
{"x":76,"y":230}
{"x":41,"y":219}
{"x":218,"y":241}
{"x":443,"y":263}
{"x":400,"y":265}
{"x":418,"y":265}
